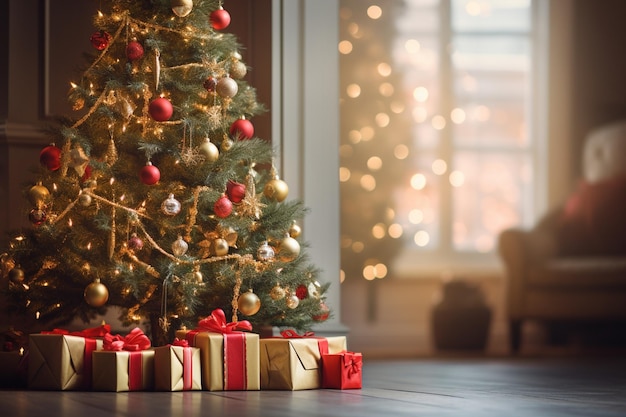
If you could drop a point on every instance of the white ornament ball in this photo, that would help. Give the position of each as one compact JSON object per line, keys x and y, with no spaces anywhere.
{"x":265,"y":252}
{"x":292,"y":301}
{"x":171,"y":206}
{"x":179,"y":247}
{"x":314,"y":289}
{"x":227,"y":87}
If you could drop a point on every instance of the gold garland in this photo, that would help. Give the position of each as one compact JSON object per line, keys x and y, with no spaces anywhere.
{"x":236,"y":289}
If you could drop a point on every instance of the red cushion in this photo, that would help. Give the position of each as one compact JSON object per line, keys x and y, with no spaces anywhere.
{"x":593,"y":221}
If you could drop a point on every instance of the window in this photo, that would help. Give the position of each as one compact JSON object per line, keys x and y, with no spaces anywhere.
{"x":464,"y":73}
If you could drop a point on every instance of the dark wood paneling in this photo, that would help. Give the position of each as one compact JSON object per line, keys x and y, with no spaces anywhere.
{"x":62,"y":51}
{"x":252,"y":24}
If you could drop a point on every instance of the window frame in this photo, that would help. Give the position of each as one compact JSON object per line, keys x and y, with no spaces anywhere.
{"x":548,"y":111}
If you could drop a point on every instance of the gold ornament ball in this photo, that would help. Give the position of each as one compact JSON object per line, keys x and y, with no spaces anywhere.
{"x":209,"y":150}
{"x":289,"y":249}
{"x":238,"y":70}
{"x":276,"y":190}
{"x":220,"y":247}
{"x":96,"y":294}
{"x":38,"y":195}
{"x":295,"y":230}
{"x":249,"y":303}
{"x":78,"y":104}
{"x":84,"y":200}
{"x":227,"y":144}
{"x":277,"y":293}
{"x":182,"y":8}
{"x":195,"y":277}
{"x":16,"y":275}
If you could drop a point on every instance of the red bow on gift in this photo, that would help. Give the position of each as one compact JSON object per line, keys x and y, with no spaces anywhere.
{"x":291,"y":334}
{"x":135,"y":340}
{"x":353,"y":363}
{"x":216,"y":322}
{"x":99,"y":331}
{"x":181,"y":343}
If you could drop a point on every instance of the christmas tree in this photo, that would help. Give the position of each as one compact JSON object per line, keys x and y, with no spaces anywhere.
{"x":157,"y":197}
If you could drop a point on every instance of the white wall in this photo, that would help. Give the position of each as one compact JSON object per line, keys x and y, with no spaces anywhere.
{"x":305,"y":122}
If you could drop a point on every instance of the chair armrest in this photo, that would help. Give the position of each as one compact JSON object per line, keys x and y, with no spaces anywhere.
{"x":520,"y":250}
{"x":519,"y":247}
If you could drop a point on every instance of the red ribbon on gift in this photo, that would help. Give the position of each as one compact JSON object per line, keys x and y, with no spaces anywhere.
{"x":134,"y":343}
{"x":135,"y":371}
{"x":90,"y":344}
{"x":292,"y":334}
{"x":187,"y":363}
{"x":234,"y":346}
{"x":322,"y":342}
{"x":99,"y":331}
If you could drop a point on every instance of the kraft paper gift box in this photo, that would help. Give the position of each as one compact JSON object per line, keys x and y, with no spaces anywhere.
{"x":124,"y":364}
{"x":342,"y":370}
{"x":294,"y":362}
{"x":177,"y":367}
{"x":62,"y":360}
{"x":230,"y":358}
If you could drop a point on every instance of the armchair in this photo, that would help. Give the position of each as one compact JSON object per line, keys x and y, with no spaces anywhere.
{"x":571,"y":266}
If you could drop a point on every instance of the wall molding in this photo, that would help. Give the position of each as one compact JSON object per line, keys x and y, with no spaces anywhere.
{"x":23,"y":135}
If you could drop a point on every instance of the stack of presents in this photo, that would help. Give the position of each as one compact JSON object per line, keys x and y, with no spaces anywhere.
{"x":215,"y":356}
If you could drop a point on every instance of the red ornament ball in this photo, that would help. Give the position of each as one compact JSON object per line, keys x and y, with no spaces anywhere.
{"x":37,"y":216}
{"x":223,"y":207}
{"x":134,"y":50}
{"x":302,"y":292}
{"x":324,"y":313}
{"x":50,"y":156}
{"x":135,"y":243}
{"x":100,"y":39}
{"x":235,"y":191}
{"x":210,"y":84}
{"x":242,"y":129}
{"x":161,"y":109}
{"x":150,"y":174}
{"x":220,"y":19}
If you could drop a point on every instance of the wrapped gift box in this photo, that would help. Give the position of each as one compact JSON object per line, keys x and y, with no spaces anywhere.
{"x":342,"y":370}
{"x":123,"y":370}
{"x":60,"y":360}
{"x":126,"y":363}
{"x":230,"y":358}
{"x":294,"y":362}
{"x":177,"y":368}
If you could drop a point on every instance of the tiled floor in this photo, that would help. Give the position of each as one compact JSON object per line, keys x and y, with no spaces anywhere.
{"x":538,"y":387}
